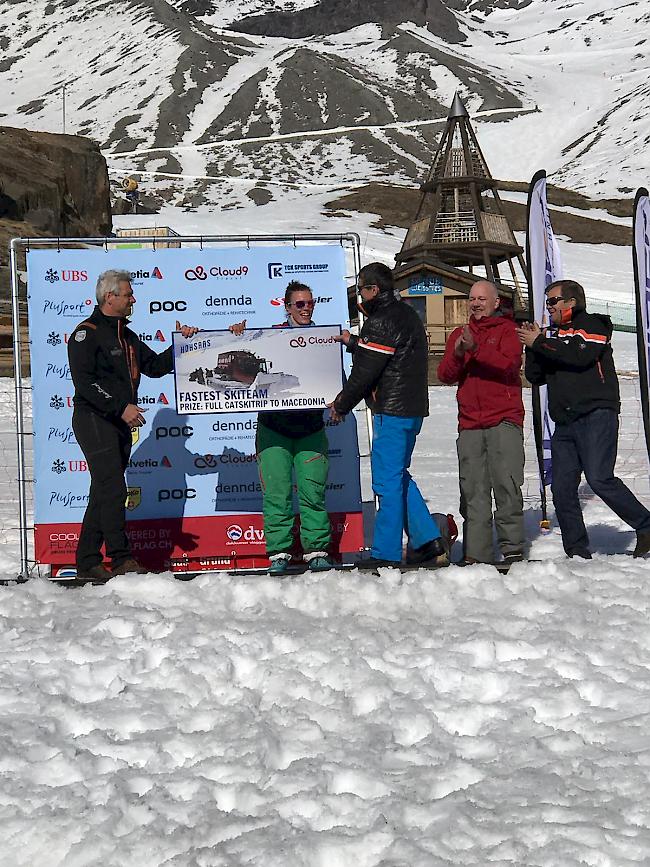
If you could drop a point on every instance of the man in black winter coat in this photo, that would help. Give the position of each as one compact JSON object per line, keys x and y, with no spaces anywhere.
{"x":577,"y":365}
{"x":106,"y":359}
{"x":389,"y":371}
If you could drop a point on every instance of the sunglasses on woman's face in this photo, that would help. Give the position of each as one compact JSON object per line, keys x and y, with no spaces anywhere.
{"x":301,"y":304}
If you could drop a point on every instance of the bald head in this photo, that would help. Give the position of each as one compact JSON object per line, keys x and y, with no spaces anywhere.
{"x":483,"y":299}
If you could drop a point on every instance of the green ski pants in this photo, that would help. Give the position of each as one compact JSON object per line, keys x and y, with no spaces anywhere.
{"x":277,"y":457}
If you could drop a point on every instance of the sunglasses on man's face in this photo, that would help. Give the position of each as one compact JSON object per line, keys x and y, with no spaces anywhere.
{"x":552,"y":300}
{"x":301,"y":304}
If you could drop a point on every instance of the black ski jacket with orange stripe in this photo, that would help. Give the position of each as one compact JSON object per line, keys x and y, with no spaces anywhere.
{"x":106,"y":359}
{"x":390,"y":365}
{"x":577,"y":365}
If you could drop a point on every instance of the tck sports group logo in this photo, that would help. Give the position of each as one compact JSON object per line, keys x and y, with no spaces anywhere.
{"x":279,"y":270}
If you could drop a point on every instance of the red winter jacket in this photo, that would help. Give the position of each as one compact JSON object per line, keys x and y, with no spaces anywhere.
{"x":488,"y":377}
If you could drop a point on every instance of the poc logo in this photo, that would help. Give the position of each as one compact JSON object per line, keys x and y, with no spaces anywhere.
{"x":174,"y":431}
{"x":176,"y":494}
{"x":275,"y":270}
{"x":167,"y":306}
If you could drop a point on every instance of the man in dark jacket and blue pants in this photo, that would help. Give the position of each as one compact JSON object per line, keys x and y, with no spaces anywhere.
{"x":106,"y":359}
{"x":577,"y":365}
{"x":389,"y":370}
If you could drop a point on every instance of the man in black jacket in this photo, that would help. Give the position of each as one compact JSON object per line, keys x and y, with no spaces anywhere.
{"x":106,"y":359}
{"x":577,"y":365}
{"x":390,"y":370}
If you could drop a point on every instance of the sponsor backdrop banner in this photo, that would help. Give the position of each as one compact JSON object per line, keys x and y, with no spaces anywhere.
{"x":641,"y":261}
{"x":261,"y":369}
{"x":544,"y":267}
{"x":194,"y":493}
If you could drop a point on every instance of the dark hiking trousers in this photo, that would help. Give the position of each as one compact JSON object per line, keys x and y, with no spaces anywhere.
{"x":106,"y":446}
{"x":588,"y":445}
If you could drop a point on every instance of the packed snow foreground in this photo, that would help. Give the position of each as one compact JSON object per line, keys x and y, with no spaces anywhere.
{"x":450,"y":717}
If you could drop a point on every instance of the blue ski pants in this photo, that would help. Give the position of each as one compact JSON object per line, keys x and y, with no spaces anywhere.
{"x":401,"y":505}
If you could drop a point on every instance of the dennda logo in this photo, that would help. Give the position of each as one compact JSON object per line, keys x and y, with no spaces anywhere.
{"x":240,"y":301}
{"x":201,"y":273}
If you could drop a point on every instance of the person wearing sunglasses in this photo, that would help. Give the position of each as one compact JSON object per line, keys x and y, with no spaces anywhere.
{"x":288,"y":443}
{"x":484,"y":358}
{"x":575,"y":361}
{"x":390,"y":371}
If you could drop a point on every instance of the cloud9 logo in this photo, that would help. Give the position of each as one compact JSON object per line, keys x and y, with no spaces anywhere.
{"x":201,"y":273}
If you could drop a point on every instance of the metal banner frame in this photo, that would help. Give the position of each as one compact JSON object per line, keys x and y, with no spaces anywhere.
{"x":350,"y":241}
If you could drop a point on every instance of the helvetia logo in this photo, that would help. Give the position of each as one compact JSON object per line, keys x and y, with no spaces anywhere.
{"x":147,"y":399}
{"x":277,"y":302}
{"x":156,"y":274}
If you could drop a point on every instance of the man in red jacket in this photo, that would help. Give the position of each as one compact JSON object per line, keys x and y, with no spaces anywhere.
{"x":484,"y":358}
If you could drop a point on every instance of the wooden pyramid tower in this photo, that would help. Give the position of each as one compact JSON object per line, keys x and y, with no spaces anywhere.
{"x":460,"y":219}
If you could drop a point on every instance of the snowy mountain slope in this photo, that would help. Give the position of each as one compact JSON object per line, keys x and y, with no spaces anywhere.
{"x":204,"y":112}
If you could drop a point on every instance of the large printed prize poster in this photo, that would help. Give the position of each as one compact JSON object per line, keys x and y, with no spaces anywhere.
{"x":263,"y":369}
{"x":194,"y":495}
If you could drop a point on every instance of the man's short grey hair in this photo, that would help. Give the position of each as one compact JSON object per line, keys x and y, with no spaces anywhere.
{"x":108,"y":283}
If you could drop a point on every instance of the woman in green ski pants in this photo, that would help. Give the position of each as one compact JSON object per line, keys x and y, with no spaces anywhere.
{"x":288,"y":442}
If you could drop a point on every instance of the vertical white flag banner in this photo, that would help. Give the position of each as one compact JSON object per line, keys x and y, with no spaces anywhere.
{"x":544,"y":267}
{"x":641,"y":261}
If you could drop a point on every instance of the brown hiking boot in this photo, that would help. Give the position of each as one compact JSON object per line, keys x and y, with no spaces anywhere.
{"x":642,"y":543}
{"x":129,"y":565}
{"x":94,"y":573}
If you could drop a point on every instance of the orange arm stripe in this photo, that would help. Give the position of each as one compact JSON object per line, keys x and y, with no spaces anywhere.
{"x":591,"y":338}
{"x":377,"y":347}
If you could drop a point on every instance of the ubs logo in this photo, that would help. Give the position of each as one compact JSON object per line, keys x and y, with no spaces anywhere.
{"x":298,"y":342}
